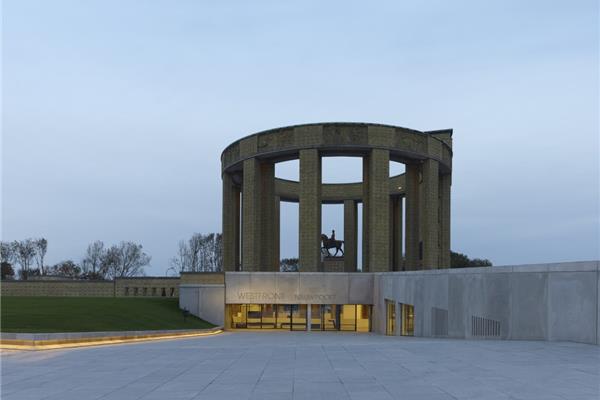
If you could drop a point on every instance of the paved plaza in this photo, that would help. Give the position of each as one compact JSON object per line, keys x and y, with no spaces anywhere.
{"x":300,"y":365}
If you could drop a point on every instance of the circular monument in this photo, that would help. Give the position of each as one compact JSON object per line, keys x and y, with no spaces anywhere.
{"x":406,"y":218}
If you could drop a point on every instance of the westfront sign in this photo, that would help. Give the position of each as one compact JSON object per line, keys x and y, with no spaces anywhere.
{"x":274,"y":297}
{"x":298,"y":288}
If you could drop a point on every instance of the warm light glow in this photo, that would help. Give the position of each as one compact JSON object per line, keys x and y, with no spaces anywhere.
{"x":86,"y":343}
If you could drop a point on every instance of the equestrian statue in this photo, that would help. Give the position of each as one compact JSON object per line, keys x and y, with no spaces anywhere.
{"x":331,"y":243}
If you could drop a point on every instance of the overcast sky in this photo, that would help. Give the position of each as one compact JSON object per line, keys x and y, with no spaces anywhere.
{"x":115,"y":113}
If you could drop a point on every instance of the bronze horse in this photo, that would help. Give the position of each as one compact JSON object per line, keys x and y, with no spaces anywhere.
{"x":331,"y":244}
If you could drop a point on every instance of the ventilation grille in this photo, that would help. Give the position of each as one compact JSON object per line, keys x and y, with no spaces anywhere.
{"x":484,"y":327}
{"x":439,"y":321}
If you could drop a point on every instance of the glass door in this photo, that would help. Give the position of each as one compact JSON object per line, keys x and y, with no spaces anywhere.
{"x":299,"y":317}
{"x":269,"y":316}
{"x":284,"y":317}
{"x":331,"y":317}
{"x":254,"y":316}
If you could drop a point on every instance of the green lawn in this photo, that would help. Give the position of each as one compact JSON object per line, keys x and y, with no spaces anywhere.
{"x":86,"y":314}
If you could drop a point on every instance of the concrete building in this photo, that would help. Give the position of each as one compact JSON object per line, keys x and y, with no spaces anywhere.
{"x":411,"y":292}
{"x":521,"y":302}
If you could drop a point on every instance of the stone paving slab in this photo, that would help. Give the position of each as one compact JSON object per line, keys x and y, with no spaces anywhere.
{"x":301,"y":365}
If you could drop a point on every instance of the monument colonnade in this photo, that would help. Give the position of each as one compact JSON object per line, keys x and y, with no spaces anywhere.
{"x":252,"y":194}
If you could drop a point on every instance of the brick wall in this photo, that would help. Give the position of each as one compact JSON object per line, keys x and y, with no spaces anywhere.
{"x":211,"y":278}
{"x":147,"y":286}
{"x":142,"y":286}
{"x":58,"y":288}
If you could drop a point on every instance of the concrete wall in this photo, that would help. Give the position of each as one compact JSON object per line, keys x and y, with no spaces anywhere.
{"x":205,"y":301}
{"x":525,"y":302}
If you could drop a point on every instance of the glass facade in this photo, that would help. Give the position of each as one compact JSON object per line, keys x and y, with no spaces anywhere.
{"x":295,"y":317}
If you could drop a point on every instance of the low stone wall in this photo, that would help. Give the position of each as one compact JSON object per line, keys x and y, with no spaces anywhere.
{"x":212,"y":278}
{"x":121,"y":287}
{"x":147,"y":286}
{"x":58,"y":288}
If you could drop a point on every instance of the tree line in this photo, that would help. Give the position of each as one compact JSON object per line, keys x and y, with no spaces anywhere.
{"x":457,"y":260}
{"x":124,"y":259}
{"x":202,"y":252}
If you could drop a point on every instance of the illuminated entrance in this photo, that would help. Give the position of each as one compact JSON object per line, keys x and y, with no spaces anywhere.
{"x":300,"y":317}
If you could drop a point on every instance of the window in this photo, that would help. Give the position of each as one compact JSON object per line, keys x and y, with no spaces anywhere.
{"x":294,"y":317}
{"x":363,"y":318}
{"x":269,"y":316}
{"x":390,"y":312}
{"x":331,"y":317}
{"x":348,"y":317}
{"x":284,"y":316}
{"x":254,"y":316}
{"x":407,"y":312}
{"x":238,"y":315}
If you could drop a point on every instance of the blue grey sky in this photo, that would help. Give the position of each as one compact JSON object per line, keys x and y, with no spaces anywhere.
{"x":115,"y":113}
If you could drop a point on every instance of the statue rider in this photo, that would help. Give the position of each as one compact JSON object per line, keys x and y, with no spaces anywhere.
{"x":332,"y":238}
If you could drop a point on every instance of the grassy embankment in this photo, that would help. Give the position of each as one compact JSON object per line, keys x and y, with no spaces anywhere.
{"x":88,"y":314}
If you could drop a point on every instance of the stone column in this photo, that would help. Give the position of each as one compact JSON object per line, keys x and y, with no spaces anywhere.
{"x":267,"y":218}
{"x":431,"y":224}
{"x":231,"y":224}
{"x":251,"y":223}
{"x":350,"y":235}
{"x":365,"y":214}
{"x":379,"y":210}
{"x":310,"y":210}
{"x":396,"y":233}
{"x":445,"y":184}
{"x":277,"y":238}
{"x":412,"y":261}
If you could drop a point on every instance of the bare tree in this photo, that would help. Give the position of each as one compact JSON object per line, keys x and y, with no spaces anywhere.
{"x":182,"y":261}
{"x":41,"y":246}
{"x":124,"y":260}
{"x":199,"y":253}
{"x":6,"y":260}
{"x":288,"y":265}
{"x":67,"y":269}
{"x":92,"y":262}
{"x":195,"y":250}
{"x":7,"y":253}
{"x":24,"y":254}
{"x":214,"y":244}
